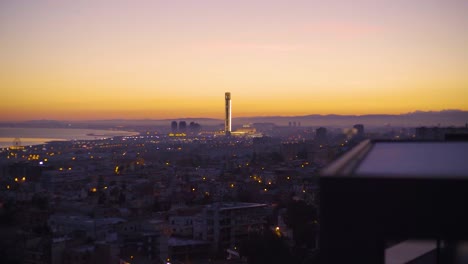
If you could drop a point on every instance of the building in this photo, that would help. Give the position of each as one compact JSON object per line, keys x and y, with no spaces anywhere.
{"x":396,"y":202}
{"x":181,"y":221}
{"x":225,"y":225}
{"x":441,"y":133}
{"x":359,"y":130}
{"x":321,"y":135}
{"x":93,"y":228}
{"x":174,"y":126}
{"x":246,"y":130}
{"x":182,"y":126}
{"x":227,"y":121}
{"x":290,"y":150}
{"x":184,"y":248}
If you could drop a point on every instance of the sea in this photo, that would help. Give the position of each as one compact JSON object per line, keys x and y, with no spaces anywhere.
{"x":37,"y":136}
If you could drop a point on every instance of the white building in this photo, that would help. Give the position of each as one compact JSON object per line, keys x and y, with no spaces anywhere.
{"x":225,"y":225}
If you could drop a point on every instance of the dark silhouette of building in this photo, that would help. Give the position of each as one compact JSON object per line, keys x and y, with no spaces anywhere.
{"x":174,"y":126}
{"x":194,"y":127}
{"x":359,"y":130}
{"x":182,"y":126}
{"x":321,"y":135}
{"x":442,"y":133}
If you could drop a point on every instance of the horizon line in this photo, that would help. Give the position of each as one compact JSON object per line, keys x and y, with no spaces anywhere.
{"x":221,"y":119}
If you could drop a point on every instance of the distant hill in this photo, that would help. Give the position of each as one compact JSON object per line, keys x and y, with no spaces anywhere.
{"x":413,"y":119}
{"x":417,"y":118}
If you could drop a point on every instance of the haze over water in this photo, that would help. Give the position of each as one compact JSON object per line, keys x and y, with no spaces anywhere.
{"x":36,"y":136}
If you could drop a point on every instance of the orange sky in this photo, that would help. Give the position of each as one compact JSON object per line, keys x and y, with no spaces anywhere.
{"x":167,"y":59}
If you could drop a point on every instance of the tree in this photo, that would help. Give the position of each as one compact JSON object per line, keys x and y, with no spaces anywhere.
{"x":276,"y":157}
{"x":40,"y":201}
{"x":265,"y":246}
{"x":302,"y":219}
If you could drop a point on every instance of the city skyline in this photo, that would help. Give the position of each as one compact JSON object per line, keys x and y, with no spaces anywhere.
{"x":87,"y":60}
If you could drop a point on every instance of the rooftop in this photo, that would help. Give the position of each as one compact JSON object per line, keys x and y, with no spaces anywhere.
{"x":416,"y":159}
{"x":232,"y":206}
{"x":395,"y":190}
{"x":405,"y":159}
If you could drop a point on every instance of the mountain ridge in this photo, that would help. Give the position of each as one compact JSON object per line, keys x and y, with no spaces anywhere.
{"x":449,"y":117}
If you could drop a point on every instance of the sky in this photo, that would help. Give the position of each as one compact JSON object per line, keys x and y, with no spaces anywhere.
{"x":157,"y":59}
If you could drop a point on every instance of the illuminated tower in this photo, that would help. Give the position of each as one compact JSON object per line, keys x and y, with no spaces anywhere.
{"x":227,"y":121}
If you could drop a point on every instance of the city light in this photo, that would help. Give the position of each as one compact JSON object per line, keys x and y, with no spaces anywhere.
{"x":277,"y":231}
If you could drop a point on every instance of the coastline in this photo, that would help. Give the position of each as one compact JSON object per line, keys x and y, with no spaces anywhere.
{"x":40,"y":136}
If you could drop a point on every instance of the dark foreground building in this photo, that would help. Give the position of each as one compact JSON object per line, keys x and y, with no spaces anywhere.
{"x":396,"y":202}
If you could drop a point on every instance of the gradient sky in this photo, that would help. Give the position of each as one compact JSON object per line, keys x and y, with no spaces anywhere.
{"x":167,"y":59}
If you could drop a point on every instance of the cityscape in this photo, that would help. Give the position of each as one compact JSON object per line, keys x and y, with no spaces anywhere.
{"x":181,"y":193}
{"x":177,"y":132}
